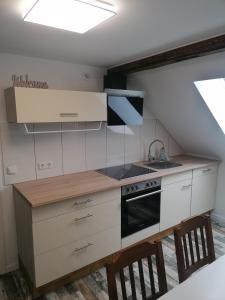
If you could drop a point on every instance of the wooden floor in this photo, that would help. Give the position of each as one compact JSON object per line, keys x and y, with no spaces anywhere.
{"x":94,"y":286}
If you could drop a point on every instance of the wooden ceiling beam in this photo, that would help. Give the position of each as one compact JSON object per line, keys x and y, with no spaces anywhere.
{"x":202,"y":48}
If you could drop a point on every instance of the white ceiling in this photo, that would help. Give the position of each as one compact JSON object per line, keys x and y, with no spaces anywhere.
{"x":142,"y":27}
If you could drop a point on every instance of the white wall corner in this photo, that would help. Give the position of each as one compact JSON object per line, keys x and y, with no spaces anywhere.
{"x":9,"y":228}
{"x":1,"y":161}
{"x":219,"y":219}
{"x":174,"y":147}
{"x":171,"y":145}
{"x":3,"y":268}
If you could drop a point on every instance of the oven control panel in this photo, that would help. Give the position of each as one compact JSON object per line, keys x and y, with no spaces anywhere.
{"x":141,"y":186}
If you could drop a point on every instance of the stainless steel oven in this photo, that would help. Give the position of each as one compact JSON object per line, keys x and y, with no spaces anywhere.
{"x":140,"y":206}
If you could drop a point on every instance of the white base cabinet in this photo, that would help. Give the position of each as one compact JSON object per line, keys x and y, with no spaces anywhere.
{"x":204,"y":190}
{"x":60,"y":238}
{"x":175,"y":203}
{"x":187,"y":194}
{"x":57,"y":239}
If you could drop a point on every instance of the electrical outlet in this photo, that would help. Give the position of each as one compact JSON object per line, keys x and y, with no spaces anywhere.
{"x":49,"y":164}
{"x":44,"y":165}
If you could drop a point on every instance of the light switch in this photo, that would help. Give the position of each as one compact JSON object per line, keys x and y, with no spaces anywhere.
{"x":12,"y":170}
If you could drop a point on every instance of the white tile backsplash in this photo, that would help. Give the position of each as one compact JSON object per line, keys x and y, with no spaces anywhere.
{"x":147,"y":136}
{"x":161,"y":134}
{"x":73,"y":144}
{"x":48,"y":147}
{"x":96,"y":148}
{"x":78,"y":151}
{"x":132,"y":144}
{"x":115,"y":145}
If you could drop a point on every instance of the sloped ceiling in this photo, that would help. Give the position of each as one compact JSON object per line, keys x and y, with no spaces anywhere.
{"x":174,"y":100}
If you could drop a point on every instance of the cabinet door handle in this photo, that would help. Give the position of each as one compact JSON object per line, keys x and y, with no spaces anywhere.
{"x":143,"y":196}
{"x":206,"y":170}
{"x":68,"y":115}
{"x":185,"y":187}
{"x":83,"y":218}
{"x":83,"y":248}
{"x":82,"y":202}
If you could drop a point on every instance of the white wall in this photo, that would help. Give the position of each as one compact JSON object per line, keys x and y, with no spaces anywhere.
{"x":69,"y":152}
{"x":173,"y":99}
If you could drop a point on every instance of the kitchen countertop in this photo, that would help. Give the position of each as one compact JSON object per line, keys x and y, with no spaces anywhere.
{"x":49,"y":190}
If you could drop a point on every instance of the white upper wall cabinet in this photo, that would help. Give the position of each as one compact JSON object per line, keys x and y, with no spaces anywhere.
{"x":30,"y":105}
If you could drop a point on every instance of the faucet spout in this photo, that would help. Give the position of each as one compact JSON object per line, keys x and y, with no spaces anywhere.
{"x":150,"y":156}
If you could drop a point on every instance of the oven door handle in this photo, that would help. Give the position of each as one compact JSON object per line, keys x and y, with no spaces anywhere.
{"x":143,"y":196}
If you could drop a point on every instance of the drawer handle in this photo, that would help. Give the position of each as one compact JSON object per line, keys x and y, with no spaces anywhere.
{"x":83,"y":218}
{"x":68,"y":115}
{"x":206,"y":170}
{"x":83,"y":248}
{"x":185,"y":187}
{"x":83,"y":202}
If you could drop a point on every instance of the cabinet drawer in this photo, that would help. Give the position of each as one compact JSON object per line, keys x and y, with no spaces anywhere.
{"x":67,"y":228}
{"x":74,"y":204}
{"x":176,"y":178}
{"x":205,"y":170}
{"x":61,"y":261}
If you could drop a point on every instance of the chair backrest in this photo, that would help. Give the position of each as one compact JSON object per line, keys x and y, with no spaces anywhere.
{"x":132,"y":268}
{"x":194,"y":245}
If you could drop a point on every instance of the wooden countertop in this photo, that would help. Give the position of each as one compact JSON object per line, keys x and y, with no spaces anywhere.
{"x":49,"y":190}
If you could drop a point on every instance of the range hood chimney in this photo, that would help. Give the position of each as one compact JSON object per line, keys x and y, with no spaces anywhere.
{"x":116,"y":81}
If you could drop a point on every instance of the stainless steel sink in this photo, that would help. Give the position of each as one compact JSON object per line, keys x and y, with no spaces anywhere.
{"x":162,"y":164}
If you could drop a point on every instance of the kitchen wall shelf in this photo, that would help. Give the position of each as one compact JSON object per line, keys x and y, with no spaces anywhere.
{"x":97,"y":128}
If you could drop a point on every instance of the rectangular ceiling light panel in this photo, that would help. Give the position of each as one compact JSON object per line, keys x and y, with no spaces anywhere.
{"x":72,"y":15}
{"x":213,"y":93}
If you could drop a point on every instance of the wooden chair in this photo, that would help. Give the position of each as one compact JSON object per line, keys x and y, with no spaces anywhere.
{"x":194,"y":245}
{"x":142,"y":255}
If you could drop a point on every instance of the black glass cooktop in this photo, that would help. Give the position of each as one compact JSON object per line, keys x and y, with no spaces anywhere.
{"x":125,"y":171}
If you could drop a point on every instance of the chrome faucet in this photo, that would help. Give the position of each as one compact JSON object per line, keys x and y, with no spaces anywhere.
{"x":162,"y":155}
